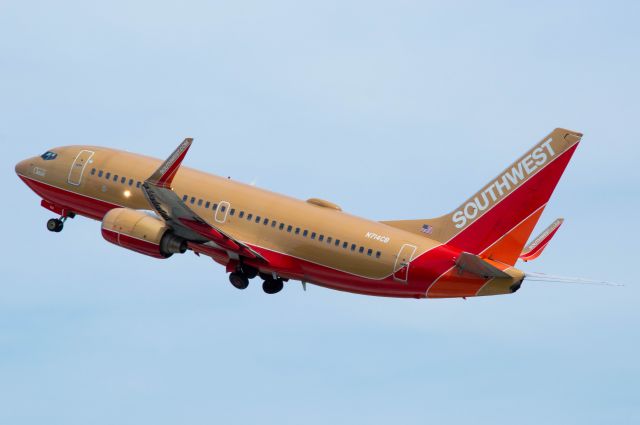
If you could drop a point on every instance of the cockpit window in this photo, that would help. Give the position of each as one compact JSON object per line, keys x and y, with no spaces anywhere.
{"x":48,"y":156}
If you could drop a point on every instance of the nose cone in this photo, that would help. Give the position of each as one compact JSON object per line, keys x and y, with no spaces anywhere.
{"x":22,"y":167}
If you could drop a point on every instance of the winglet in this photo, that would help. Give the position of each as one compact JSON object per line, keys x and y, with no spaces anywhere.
{"x":535,"y":248}
{"x":164,"y":175}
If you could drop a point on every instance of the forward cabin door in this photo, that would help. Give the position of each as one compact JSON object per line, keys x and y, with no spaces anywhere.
{"x":403,"y":262}
{"x":77,"y":168}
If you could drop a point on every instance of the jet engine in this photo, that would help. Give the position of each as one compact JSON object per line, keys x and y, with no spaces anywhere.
{"x":141,"y":232}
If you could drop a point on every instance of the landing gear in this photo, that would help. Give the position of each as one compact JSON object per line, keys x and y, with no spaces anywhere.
{"x":239,"y":280}
{"x":272,"y":286}
{"x":249,"y":271}
{"x":55,"y":224}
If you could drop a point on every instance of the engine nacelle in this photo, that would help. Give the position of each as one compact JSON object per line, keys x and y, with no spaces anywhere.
{"x":140,"y":232}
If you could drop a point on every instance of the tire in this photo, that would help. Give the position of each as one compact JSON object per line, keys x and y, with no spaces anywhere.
{"x":239,"y":280}
{"x":249,"y":271}
{"x":272,"y":286}
{"x":54,"y":225}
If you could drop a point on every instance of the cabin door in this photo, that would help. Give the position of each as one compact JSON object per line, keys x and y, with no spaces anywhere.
{"x":77,"y":168}
{"x":403,"y":262}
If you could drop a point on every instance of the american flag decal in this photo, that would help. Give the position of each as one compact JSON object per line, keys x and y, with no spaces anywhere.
{"x":426,"y":229}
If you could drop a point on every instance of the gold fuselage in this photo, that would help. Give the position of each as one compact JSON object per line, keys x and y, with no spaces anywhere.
{"x":312,"y":233}
{"x":126,"y":170}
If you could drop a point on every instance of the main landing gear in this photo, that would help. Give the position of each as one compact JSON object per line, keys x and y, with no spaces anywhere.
{"x":240,"y":279}
{"x":57,"y":224}
{"x":272,"y":286}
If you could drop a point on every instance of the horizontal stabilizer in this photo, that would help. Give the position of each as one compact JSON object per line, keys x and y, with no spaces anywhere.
{"x":473,"y":264}
{"x":535,"y":248}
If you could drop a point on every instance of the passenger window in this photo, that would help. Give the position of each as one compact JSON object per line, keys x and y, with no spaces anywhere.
{"x":123,"y":180}
{"x":345,"y":245}
{"x":115,"y":178}
{"x":184,"y":198}
{"x":138,"y":184}
{"x":281,"y":226}
{"x":378,"y":254}
{"x":193,"y":199}
{"x":297,"y":232}
{"x":337,"y":242}
{"x":93,"y":171}
{"x":100,"y":173}
{"x":266,"y":221}
{"x":361,"y":250}
{"x":223,"y":208}
{"x":207,"y":205}
{"x":369,"y":252}
{"x":353,"y":247}
{"x":305,"y":233}
{"x":257,"y":219}
{"x":199,"y":202}
{"x":321,"y":238}
{"x":241,"y":214}
{"x":232,"y":211}
{"x":289,"y":227}
{"x":274,"y":223}
{"x":313,"y":235}
{"x":215,"y":207}
{"x":249,"y":216}
{"x":329,"y":239}
{"x":107,"y":176}
{"x":130,"y":182}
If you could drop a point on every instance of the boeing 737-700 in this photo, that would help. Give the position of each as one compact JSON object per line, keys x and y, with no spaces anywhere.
{"x":160,"y":208}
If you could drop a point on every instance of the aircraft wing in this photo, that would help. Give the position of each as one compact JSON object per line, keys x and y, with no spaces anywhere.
{"x":182,"y":219}
{"x":535,"y":248}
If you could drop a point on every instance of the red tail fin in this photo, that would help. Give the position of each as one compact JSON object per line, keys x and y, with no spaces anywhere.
{"x":497,"y":221}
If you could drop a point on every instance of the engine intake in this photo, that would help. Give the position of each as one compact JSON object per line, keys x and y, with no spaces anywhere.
{"x":141,"y":232}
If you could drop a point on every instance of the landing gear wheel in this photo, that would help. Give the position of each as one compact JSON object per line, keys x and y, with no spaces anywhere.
{"x":55,"y":225}
{"x":239,"y":280}
{"x":249,"y":271}
{"x":272,"y":286}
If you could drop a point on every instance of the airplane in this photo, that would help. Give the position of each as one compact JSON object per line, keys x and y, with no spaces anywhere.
{"x":160,"y":208}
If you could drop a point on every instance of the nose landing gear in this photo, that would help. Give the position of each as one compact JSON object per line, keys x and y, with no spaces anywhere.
{"x":57,"y":224}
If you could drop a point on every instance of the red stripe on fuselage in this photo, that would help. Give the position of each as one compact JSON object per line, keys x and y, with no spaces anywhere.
{"x":284,"y":264}
{"x":69,"y":200}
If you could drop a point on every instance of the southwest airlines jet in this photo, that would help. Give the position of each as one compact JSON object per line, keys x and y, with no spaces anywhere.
{"x":159,"y":209}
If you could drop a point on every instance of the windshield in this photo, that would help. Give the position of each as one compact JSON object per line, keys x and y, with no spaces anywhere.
{"x":48,"y":155}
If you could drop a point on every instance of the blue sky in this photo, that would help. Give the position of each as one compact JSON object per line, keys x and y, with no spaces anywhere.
{"x":396,"y":109}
